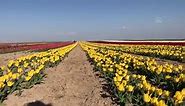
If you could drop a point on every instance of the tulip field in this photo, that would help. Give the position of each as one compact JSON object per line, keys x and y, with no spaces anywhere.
{"x":26,"y":71}
{"x":139,"y":80}
{"x":135,"y":74}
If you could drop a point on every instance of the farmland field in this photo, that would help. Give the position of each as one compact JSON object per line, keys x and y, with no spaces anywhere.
{"x":93,"y":73}
{"x":92,"y":53}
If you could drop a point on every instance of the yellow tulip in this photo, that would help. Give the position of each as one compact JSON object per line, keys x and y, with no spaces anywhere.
{"x":19,"y":70}
{"x":14,"y":76}
{"x":37,"y":71}
{"x":10,"y":63}
{"x":130,"y":88}
{"x":134,"y":75}
{"x":3,"y":68}
{"x":177,"y":79}
{"x":119,"y":78}
{"x":2,"y":79}
{"x":124,"y":82}
{"x":153,"y":89}
{"x":143,"y":78}
{"x":140,"y":85}
{"x":117,"y":83}
{"x":31,"y":73}
{"x":27,"y":78}
{"x":121,"y":87}
{"x":154,"y":100}
{"x":127,"y":77}
{"x":169,"y":70}
{"x":111,"y":69}
{"x":138,"y":76}
{"x":16,"y":63}
{"x":161,"y":103}
{"x":2,"y":84}
{"x":146,"y":98}
{"x":180,"y":67}
{"x":167,"y":77}
{"x":10,"y":74}
{"x":10,"y":83}
{"x":25,"y":65}
{"x":17,"y":75}
{"x":104,"y":69}
{"x":166,"y":93}
{"x":178,"y":96}
{"x":120,"y":72}
{"x":159,"y":91}
{"x":183,"y":91}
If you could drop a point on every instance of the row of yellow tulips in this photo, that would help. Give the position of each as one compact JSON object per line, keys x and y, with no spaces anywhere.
{"x":170,"y":52}
{"x":26,"y":71}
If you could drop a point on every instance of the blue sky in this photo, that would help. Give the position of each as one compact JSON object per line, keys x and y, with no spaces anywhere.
{"x":58,"y":20}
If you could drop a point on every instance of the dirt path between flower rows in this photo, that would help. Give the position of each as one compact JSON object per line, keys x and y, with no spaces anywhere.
{"x":71,"y":83}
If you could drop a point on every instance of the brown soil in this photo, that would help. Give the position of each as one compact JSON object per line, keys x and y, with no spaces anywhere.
{"x":71,"y":83}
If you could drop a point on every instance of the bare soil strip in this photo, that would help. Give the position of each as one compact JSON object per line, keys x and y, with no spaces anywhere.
{"x":71,"y":83}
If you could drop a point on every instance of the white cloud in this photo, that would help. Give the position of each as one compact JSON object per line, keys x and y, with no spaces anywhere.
{"x":158,"y":20}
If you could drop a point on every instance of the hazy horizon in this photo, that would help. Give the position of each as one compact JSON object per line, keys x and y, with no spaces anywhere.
{"x":60,"y":20}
